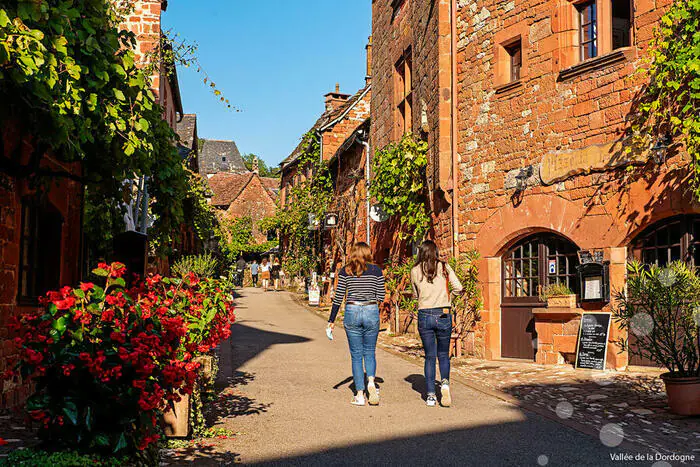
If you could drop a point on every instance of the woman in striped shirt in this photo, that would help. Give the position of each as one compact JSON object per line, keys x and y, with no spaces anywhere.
{"x":361,"y":285}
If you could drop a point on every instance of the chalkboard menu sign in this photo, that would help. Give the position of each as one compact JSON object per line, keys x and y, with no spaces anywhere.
{"x":593,"y":341}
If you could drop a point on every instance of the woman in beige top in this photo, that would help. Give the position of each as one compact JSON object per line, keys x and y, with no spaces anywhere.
{"x":431,"y":280}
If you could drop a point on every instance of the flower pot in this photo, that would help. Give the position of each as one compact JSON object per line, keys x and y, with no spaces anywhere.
{"x":683,"y":394}
{"x":562,"y":301}
{"x":177,"y":419}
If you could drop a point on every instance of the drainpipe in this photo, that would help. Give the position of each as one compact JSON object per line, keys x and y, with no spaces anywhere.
{"x":367,"y":175}
{"x":453,"y":131}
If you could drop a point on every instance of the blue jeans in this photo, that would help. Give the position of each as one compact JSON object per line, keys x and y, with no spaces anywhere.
{"x":362,"y":327}
{"x":435,"y":329}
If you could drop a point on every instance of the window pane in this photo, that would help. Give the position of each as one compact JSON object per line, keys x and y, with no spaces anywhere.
{"x":621,"y":23}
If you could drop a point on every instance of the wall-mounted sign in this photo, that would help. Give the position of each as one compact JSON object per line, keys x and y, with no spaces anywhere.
{"x":331,"y":221}
{"x":560,"y":165}
{"x":377,"y":213}
{"x":552,"y":266}
{"x":314,"y":223}
{"x":592,"y":348}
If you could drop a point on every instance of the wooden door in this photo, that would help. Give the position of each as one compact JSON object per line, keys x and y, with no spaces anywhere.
{"x":530,"y":264}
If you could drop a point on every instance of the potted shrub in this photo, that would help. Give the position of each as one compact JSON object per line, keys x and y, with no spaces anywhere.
{"x":558,"y":296}
{"x":660,"y":307}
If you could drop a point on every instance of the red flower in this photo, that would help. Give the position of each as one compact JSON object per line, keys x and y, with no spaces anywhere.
{"x":2,"y":442}
{"x":86,"y":286}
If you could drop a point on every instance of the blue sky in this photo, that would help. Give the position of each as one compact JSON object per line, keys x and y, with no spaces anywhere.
{"x":273,"y":59}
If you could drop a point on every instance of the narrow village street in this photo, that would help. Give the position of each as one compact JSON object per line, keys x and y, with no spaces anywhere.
{"x":289,"y":393}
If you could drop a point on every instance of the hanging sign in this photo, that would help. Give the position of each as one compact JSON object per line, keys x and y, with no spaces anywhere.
{"x":592,"y":348}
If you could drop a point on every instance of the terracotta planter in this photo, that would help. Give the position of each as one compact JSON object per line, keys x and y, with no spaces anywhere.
{"x":177,"y":420}
{"x":562,"y":301}
{"x":683,"y":394}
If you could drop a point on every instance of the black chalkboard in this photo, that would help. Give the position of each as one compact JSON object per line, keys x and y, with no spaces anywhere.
{"x":593,"y":341}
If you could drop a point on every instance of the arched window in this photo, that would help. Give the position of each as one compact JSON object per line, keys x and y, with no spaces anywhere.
{"x":536,"y":262}
{"x":673,"y":239}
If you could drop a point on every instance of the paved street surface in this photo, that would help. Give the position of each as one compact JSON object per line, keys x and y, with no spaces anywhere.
{"x":289,"y":393}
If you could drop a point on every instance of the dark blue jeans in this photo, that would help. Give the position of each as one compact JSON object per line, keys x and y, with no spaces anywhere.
{"x":435,"y":329}
{"x":362,"y":327}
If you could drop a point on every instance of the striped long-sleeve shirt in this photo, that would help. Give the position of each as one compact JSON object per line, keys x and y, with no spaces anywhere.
{"x":369,"y":287}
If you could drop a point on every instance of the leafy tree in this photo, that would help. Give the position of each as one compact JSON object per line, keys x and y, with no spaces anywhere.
{"x":263,"y":168}
{"x":670,"y":103}
{"x":236,"y":238}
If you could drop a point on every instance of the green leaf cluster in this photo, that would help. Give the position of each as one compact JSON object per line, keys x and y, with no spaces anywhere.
{"x":69,"y":81}
{"x":670,"y":103}
{"x":398,"y":184}
{"x":236,"y":238}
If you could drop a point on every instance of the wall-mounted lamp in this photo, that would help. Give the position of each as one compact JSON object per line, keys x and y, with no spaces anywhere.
{"x":660,"y":150}
{"x":521,"y":178}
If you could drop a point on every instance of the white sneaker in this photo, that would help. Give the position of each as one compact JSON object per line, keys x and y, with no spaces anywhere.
{"x":359,"y":399}
{"x":446,"y":399}
{"x":431,"y":401}
{"x":373,"y":394}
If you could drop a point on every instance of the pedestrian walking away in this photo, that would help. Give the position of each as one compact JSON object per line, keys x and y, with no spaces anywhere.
{"x":241,"y":266}
{"x":361,"y":286}
{"x":254,"y":272}
{"x":275,"y":274}
{"x":431,"y":279}
{"x":265,"y":274}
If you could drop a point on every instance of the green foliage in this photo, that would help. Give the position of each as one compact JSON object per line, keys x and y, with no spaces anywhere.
{"x":263,"y":169}
{"x":236,"y":238}
{"x":32,"y":457}
{"x":204,"y":265}
{"x":553,"y":290}
{"x":398,"y":284}
{"x":467,"y":305}
{"x":198,"y":211}
{"x":69,"y":80}
{"x":670,"y":103}
{"x":398,"y":184}
{"x":307,"y":199}
{"x":660,"y":307}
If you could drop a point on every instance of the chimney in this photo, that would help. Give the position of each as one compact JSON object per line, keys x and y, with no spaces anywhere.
{"x":335,"y":99}
{"x":256,"y":166}
{"x":368,"y":48}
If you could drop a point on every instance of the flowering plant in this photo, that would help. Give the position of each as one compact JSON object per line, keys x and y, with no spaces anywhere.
{"x":108,"y":360}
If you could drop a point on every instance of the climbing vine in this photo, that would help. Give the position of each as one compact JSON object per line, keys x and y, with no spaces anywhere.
{"x":307,"y":200}
{"x":236,"y":238}
{"x":70,"y":83}
{"x":398,"y":184}
{"x":670,"y":103}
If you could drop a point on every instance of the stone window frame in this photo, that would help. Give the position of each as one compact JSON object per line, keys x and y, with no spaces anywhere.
{"x":403,"y":94}
{"x":567,"y":25}
{"x":502,"y":41}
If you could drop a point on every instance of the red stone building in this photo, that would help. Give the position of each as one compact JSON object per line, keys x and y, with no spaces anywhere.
{"x":238,"y":195}
{"x":534,"y":105}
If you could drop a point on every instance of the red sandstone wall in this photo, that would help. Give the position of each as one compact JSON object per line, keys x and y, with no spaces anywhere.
{"x":255,"y":202}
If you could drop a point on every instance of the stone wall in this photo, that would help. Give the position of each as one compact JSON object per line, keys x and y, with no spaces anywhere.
{"x":423,"y":28}
{"x":255,"y":202}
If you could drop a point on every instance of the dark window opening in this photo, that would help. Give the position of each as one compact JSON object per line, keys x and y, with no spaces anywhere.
{"x":223,"y":159}
{"x":396,"y":6}
{"x":515,"y":51}
{"x":404,"y":94}
{"x":675,"y":239}
{"x":621,"y":23}
{"x":271,"y":235}
{"x":588,"y":29}
{"x":40,"y":251}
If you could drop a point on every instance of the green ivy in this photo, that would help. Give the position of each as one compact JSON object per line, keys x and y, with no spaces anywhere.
{"x":70,"y":82}
{"x":310,"y":197}
{"x":398,"y":184}
{"x":670,"y":103}
{"x":236,"y":238}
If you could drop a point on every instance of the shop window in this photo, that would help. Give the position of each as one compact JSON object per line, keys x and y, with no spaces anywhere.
{"x":674,"y":239}
{"x":621,"y":23}
{"x":403,"y":86}
{"x":588,"y":29}
{"x":40,"y":251}
{"x":536,"y":262}
{"x":515,"y":52}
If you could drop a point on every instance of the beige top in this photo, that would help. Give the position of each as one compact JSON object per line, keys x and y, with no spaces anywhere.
{"x":434,"y":295}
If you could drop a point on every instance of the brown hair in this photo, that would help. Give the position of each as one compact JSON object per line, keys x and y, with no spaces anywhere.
{"x":360,"y":256}
{"x":428,"y":259}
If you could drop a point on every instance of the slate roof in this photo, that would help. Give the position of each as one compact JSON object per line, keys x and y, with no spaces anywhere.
{"x":220,"y":156}
{"x":228,"y":186}
{"x":187,"y":130}
{"x":326,"y":118}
